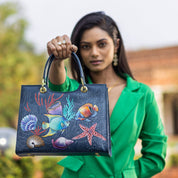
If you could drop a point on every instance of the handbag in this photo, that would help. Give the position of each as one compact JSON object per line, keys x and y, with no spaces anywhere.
{"x":63,"y":123}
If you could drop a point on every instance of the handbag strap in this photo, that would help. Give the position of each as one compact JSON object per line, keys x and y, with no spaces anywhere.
{"x":43,"y":89}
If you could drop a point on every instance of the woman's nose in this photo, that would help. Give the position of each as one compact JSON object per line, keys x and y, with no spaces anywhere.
{"x":94,"y":52}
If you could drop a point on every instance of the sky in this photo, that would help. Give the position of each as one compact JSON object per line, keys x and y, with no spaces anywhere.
{"x":144,"y":24}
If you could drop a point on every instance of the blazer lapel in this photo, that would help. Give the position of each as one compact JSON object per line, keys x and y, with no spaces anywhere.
{"x":126,"y":102}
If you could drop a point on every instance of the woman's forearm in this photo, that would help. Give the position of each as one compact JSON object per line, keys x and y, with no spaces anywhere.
{"x":57,"y":74}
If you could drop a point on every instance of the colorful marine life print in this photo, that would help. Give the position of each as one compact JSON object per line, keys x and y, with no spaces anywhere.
{"x":86,"y":111}
{"x":35,"y":140}
{"x":59,"y":118}
{"x":61,"y":143}
{"x":55,"y":109}
{"x":29,"y":122}
{"x":89,"y":133}
{"x":56,"y":123}
{"x":68,"y":109}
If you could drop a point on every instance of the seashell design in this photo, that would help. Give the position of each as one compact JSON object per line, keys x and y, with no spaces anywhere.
{"x":55,"y":109}
{"x":29,"y":122}
{"x":35,"y":141}
{"x":61,"y":143}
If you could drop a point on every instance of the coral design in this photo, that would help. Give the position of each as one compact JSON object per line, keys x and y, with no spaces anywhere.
{"x":40,"y":103}
{"x":29,"y":122}
{"x":48,"y":102}
{"x":27,"y":108}
{"x":67,"y":111}
{"x":51,"y":100}
{"x":89,"y":133}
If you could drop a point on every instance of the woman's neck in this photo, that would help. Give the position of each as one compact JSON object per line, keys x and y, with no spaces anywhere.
{"x":108,"y":77}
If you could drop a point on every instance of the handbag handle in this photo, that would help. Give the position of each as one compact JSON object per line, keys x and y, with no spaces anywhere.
{"x":43,"y":89}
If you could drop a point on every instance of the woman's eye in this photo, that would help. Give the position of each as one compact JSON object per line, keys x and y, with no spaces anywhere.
{"x":85,"y":46}
{"x":101,"y":45}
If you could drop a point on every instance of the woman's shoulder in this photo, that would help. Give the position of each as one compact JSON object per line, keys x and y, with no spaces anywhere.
{"x":133,"y":84}
{"x":140,"y":87}
{"x":147,"y":91}
{"x":144,"y":87}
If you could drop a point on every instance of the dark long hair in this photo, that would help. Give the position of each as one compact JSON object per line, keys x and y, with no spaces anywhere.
{"x":106,"y":23}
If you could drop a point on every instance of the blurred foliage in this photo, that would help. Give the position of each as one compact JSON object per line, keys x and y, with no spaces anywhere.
{"x":10,"y":168}
{"x":174,"y":160}
{"x":45,"y":167}
{"x":27,"y":166}
{"x":50,"y":167}
{"x":19,"y":64}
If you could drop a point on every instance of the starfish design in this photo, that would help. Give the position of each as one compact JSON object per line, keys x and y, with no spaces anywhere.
{"x":89,"y":133}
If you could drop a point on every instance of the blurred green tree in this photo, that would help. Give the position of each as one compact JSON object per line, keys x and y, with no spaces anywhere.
{"x":19,"y":64}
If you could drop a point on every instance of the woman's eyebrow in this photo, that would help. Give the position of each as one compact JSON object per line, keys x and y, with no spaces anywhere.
{"x":84,"y":42}
{"x":90,"y":42}
{"x":101,"y":40}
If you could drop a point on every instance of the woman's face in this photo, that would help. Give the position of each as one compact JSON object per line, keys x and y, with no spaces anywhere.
{"x":97,"y":49}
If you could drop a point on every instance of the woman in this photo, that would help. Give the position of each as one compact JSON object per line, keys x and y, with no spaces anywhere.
{"x":133,"y":110}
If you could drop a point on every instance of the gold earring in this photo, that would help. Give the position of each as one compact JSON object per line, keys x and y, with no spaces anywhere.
{"x":115,"y":60}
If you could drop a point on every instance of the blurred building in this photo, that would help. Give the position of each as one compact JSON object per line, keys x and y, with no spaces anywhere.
{"x":158,"y":68}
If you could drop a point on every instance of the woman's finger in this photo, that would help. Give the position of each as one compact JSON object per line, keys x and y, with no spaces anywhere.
{"x":61,"y":47}
{"x":68,"y":45}
{"x":64,"y":47}
{"x":52,"y":49}
{"x":58,"y":44}
{"x":73,"y":48}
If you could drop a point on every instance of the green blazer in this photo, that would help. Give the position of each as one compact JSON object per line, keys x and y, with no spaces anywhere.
{"x":134,"y":116}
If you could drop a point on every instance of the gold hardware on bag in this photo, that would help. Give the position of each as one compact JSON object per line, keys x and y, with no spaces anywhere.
{"x":84,"y":88}
{"x":97,"y":154}
{"x":43,"y":89}
{"x":29,"y":154}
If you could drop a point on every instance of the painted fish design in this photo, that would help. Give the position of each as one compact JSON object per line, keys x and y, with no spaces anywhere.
{"x":56,"y":123}
{"x":86,"y":111}
{"x":61,"y":143}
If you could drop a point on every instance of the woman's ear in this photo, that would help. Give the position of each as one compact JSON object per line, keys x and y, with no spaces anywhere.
{"x":116,"y":45}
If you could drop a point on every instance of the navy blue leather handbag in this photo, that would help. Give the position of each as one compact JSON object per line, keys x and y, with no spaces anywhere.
{"x":63,"y":123}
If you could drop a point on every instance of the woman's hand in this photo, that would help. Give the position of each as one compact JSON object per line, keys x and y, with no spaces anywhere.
{"x":61,"y":47}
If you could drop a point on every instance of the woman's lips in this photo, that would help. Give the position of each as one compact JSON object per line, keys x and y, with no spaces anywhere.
{"x":96,"y":62}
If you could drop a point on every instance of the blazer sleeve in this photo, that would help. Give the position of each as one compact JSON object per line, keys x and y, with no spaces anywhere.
{"x":154,"y":142}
